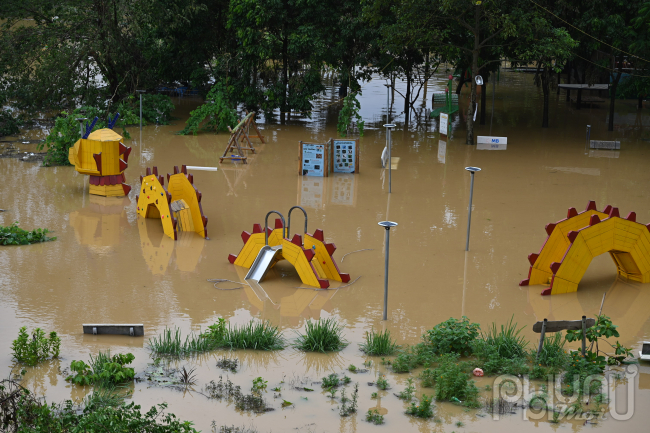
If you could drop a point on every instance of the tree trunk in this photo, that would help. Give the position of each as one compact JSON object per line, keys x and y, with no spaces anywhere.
{"x":407,"y":99}
{"x":546,"y":91}
{"x":640,"y":106}
{"x":483,"y":97}
{"x":461,"y":81}
{"x":472,"y":104}
{"x":285,"y":77}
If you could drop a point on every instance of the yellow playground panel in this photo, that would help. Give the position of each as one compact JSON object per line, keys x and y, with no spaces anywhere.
{"x":573,"y":242}
{"x":179,"y":207}
{"x":102,"y":155}
{"x":312,"y":259}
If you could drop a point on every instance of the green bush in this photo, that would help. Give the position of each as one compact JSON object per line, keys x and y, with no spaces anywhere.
{"x":349,"y":112}
{"x":405,"y":361}
{"x":452,"y":384}
{"x":583,"y":375}
{"x":600,"y":332}
{"x":321,"y":336}
{"x":38,"y":348}
{"x":452,"y":336}
{"x":379,"y":343}
{"x":422,"y":410}
{"x":331,"y":381}
{"x":374,"y":417}
{"x":104,"y":370}
{"x":491,"y":361}
{"x":8,"y":124}
{"x":216,"y":109}
{"x":14,"y":235}
{"x":98,"y":415}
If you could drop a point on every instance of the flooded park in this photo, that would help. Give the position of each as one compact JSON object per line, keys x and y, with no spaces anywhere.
{"x":109,"y":265}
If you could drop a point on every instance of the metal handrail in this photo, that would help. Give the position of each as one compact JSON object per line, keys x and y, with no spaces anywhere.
{"x":266,"y":225}
{"x":289,"y":225}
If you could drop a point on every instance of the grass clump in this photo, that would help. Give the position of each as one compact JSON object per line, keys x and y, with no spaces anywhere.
{"x":331,"y":381}
{"x":171,"y":343}
{"x":374,"y":417}
{"x":14,"y":235}
{"x":503,"y":351}
{"x":452,"y":336}
{"x":379,"y":343}
{"x":422,"y":410}
{"x":552,"y":359}
{"x":254,"y":335}
{"x":321,"y":336}
{"x":452,"y":383}
{"x":382,"y":382}
{"x":38,"y":348}
{"x":104,"y":370}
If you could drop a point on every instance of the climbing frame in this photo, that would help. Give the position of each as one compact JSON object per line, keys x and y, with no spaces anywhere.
{"x":573,"y":242}
{"x":181,"y":202}
{"x":239,"y":135}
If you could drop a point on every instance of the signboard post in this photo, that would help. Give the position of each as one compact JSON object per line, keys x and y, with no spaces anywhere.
{"x":491,"y":143}
{"x":345,"y":156}
{"x":444,"y":123}
{"x":561,"y":325}
{"x":314,"y":159}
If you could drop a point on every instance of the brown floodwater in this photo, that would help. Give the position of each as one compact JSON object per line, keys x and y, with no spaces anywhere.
{"x":110,"y":266}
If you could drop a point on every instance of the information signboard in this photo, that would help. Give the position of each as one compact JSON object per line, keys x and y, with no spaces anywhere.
{"x":444,"y":123}
{"x":345,"y":156}
{"x":314,"y":159}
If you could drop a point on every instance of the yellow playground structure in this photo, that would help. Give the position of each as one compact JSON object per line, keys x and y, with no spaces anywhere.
{"x":179,"y":207}
{"x":573,"y":242}
{"x":103,"y":157}
{"x":312,"y":259}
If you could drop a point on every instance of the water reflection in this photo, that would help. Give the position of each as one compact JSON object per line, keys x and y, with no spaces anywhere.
{"x":158,"y":248}
{"x":101,"y":223}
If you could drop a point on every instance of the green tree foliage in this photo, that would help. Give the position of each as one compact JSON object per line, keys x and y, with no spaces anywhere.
{"x":38,"y":348}
{"x":216,"y":112}
{"x":348,"y":113}
{"x":8,"y":123}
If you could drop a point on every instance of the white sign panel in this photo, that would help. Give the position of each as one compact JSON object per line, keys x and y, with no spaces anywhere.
{"x":491,"y":143}
{"x":313,"y":159}
{"x":444,"y":123}
{"x":442,"y":151}
{"x":344,"y":156}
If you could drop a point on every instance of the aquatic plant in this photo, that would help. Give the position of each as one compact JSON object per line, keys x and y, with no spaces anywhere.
{"x":379,"y":343}
{"x":422,"y":410}
{"x":171,"y":343}
{"x":228,"y":364}
{"x":452,"y":336}
{"x":374,"y":417}
{"x":188,"y":377}
{"x":349,"y":406}
{"x":259,"y":385}
{"x":104,"y":370}
{"x":330,"y":381}
{"x":228,"y":391}
{"x":382,"y":382}
{"x":452,"y":384}
{"x":38,"y":348}
{"x":321,"y":336}
{"x":352,"y":368}
{"x":507,"y":340}
{"x":408,"y":392}
{"x":14,"y":235}
{"x":254,"y":335}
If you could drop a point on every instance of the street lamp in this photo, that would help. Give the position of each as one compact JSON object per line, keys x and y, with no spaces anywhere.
{"x":387,"y":225}
{"x":472,"y":170}
{"x":141,"y":92}
{"x":389,"y":144}
{"x":81,"y":121}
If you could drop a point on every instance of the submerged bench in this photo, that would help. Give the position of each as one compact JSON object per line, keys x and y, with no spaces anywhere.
{"x":136,"y":330}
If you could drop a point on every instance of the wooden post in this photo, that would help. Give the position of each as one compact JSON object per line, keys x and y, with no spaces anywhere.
{"x":541,"y":337}
{"x":584,"y":335}
{"x":300,"y":160}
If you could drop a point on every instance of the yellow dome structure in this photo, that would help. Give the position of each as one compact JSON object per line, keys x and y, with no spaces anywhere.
{"x":102,"y":155}
{"x":179,"y":211}
{"x":573,"y":242}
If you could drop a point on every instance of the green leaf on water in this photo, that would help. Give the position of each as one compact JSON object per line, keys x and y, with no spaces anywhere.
{"x":286,"y":403}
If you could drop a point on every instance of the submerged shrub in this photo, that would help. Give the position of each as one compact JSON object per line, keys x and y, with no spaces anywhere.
{"x":38,"y":348}
{"x":14,"y":235}
{"x":422,"y":410}
{"x":452,"y":384}
{"x":321,"y":336}
{"x":405,"y":361}
{"x":379,"y":343}
{"x":217,"y":110}
{"x":453,"y":336}
{"x":104,"y":370}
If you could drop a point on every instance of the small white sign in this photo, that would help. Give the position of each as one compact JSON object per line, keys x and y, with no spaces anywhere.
{"x":442,"y":151}
{"x":491,"y":143}
{"x":444,"y":123}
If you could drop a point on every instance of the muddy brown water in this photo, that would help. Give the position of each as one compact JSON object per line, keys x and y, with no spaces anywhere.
{"x":110,"y":266}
